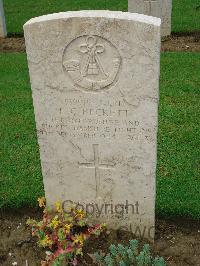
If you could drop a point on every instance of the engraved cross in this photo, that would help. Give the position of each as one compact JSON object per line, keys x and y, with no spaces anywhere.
{"x":96,"y":165}
{"x":150,"y":5}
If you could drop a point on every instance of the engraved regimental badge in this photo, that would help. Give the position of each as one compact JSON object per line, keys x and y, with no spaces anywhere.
{"x":92,"y":62}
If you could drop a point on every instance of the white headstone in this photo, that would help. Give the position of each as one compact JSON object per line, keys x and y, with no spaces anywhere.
{"x":95,"y":80}
{"x":156,"y":8}
{"x":3,"y":32}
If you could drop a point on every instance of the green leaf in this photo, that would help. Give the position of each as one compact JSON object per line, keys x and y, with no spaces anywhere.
{"x":121,"y":250}
{"x":130,"y":254}
{"x":108,"y":260}
{"x":41,"y":234}
{"x":122,"y":263}
{"x":98,"y":257}
{"x":134,"y":246}
{"x":82,"y":223}
{"x":113,"y":250}
{"x":61,"y":235}
{"x":159,"y":261}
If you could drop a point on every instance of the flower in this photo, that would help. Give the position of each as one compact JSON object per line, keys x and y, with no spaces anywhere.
{"x":63,"y":233}
{"x":79,"y":251}
{"x":80,"y":213}
{"x":68,"y":228}
{"x":79,"y":239}
{"x":55,"y":222}
{"x":41,"y":202}
{"x":46,"y":241}
{"x":58,"y":206}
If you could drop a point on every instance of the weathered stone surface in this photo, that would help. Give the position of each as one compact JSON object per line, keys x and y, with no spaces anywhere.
{"x":95,"y":79}
{"x":3,"y":32}
{"x":156,"y":8}
{"x":166,"y":17}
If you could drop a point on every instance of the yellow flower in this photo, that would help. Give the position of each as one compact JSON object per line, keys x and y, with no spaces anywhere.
{"x":55,"y":222}
{"x":80,"y":213}
{"x":58,"y":205}
{"x":41,"y":202}
{"x":46,"y":241}
{"x":79,"y":240}
{"x":68,"y":228}
{"x":79,"y":251}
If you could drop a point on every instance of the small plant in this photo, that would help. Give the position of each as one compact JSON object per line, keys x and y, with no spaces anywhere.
{"x":128,"y":256}
{"x":64,"y":234}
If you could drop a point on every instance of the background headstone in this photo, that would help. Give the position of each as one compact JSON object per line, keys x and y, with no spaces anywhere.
{"x":166,"y":18}
{"x":3,"y":32}
{"x":95,"y":79}
{"x":156,"y":8}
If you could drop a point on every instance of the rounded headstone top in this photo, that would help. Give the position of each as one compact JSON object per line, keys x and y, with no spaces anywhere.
{"x":97,"y":14}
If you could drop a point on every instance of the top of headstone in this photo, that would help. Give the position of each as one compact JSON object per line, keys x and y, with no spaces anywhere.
{"x":97,"y":14}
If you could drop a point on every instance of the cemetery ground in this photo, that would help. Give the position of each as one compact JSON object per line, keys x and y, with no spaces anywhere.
{"x":177,"y":240}
{"x":177,"y":42}
{"x":178,"y":185}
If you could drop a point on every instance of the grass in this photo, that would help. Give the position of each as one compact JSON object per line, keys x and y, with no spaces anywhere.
{"x":19,"y":11}
{"x":178,"y":175}
{"x":185,"y":16}
{"x":20,"y":178}
{"x":178,"y":182}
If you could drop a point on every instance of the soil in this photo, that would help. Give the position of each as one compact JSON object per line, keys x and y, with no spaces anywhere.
{"x":177,"y":240}
{"x":176,"y":42}
{"x":12,"y":44}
